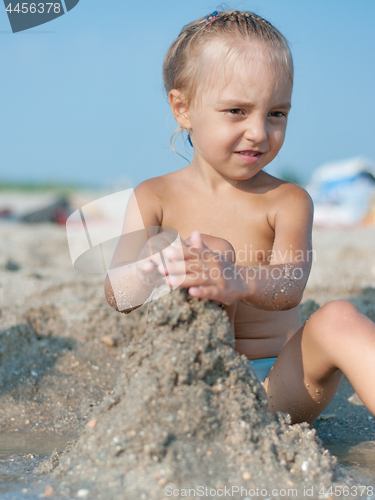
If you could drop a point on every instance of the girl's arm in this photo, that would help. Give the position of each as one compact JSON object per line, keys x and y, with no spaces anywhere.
{"x":126,"y":286}
{"x":280,"y":285}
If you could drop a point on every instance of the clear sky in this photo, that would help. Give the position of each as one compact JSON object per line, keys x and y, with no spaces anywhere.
{"x":82,"y":96}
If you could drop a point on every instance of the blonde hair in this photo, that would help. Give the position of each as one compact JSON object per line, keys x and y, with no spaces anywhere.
{"x":193,"y":54}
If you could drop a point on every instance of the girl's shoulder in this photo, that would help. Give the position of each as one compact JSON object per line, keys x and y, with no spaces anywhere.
{"x":288,"y":202}
{"x":155,"y":186}
{"x":284,"y":190}
{"x":153,"y":194}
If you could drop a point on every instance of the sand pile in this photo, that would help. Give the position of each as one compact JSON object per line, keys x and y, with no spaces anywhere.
{"x":187,"y":411}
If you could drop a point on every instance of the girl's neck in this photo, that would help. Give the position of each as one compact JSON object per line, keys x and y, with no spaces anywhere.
{"x":211,"y":180}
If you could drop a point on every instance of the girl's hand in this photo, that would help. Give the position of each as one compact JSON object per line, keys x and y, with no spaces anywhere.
{"x":150,"y":257}
{"x":208,"y":274}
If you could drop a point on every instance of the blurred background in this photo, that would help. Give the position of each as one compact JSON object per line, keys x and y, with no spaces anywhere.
{"x":82,"y":101}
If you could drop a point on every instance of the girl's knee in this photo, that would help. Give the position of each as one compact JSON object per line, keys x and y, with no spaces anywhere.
{"x":334,"y":313}
{"x":332,"y":321}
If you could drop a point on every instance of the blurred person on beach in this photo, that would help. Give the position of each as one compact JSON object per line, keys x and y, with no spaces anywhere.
{"x":246,"y":235}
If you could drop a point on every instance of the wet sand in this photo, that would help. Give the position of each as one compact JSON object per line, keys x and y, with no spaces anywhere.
{"x":62,"y":347}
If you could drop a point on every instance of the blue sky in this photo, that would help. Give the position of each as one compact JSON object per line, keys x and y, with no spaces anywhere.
{"x":82,"y":96}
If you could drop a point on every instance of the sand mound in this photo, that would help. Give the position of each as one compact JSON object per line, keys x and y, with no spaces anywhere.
{"x":187,"y":411}
{"x":25,"y":358}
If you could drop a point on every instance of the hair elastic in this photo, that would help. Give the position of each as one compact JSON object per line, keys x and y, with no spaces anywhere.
{"x":213,"y":15}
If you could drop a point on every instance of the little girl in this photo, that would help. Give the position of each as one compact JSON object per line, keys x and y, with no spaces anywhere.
{"x":246,"y":234}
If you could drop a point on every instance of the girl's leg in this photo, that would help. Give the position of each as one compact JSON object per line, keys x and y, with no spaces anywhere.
{"x":336,"y":339}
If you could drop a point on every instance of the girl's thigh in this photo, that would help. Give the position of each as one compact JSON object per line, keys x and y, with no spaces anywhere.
{"x":302,"y":381}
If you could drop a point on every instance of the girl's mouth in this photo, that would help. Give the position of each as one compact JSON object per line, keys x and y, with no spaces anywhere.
{"x":249,"y":156}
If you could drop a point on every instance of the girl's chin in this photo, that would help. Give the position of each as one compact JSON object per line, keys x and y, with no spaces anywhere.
{"x":245,"y":176}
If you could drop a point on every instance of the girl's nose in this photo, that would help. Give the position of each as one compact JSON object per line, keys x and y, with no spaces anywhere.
{"x":256,"y":130}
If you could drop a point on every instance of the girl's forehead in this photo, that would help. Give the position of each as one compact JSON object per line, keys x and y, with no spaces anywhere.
{"x":254,"y":69}
{"x":256,"y":80}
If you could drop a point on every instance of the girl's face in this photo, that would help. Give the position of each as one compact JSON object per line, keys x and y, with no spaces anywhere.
{"x":239,"y":125}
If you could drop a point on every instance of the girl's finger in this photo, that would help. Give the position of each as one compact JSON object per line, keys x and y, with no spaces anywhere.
{"x":191,"y":279}
{"x":204,"y":292}
{"x":146,"y":266}
{"x":196,"y":240}
{"x":184,"y":253}
{"x":170,"y":253}
{"x":176,"y":267}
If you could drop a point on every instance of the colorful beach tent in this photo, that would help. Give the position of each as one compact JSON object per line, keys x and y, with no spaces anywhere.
{"x":343,"y":193}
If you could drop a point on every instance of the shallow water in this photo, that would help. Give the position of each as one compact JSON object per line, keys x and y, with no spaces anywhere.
{"x":20,"y":453}
{"x":13,"y":443}
{"x":359,"y":459}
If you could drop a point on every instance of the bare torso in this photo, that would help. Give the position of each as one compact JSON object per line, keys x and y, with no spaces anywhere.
{"x":242,"y":215}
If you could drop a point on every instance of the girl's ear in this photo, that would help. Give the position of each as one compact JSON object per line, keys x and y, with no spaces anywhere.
{"x":179,"y":108}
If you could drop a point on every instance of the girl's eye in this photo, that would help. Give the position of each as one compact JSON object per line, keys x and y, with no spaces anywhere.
{"x":234,"y":111}
{"x":278,"y":114}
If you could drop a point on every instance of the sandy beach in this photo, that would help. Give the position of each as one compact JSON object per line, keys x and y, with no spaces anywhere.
{"x":62,"y":346}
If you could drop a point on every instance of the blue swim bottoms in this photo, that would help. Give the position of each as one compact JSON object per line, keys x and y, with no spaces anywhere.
{"x":261,"y":367}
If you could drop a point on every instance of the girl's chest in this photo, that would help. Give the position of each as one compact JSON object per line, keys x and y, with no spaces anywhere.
{"x":243,"y":223}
